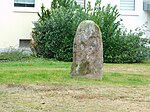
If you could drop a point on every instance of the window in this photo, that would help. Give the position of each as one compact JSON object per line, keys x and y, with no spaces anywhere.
{"x":24,"y":43}
{"x":26,"y":6}
{"x":146,"y":5}
{"x":81,"y":2}
{"x":24,"y":3}
{"x":129,"y":7}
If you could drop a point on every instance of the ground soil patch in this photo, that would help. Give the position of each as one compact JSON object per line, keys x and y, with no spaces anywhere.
{"x":63,"y":98}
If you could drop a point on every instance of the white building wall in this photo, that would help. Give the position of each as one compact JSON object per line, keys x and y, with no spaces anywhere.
{"x":136,"y":19}
{"x":17,"y":23}
{"x":148,"y":19}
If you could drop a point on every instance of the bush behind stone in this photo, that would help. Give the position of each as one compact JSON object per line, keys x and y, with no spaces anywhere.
{"x":54,"y":32}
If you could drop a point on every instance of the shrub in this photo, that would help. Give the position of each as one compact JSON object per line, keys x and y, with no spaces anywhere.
{"x":106,"y":18}
{"x":55,"y":30}
{"x":132,"y":48}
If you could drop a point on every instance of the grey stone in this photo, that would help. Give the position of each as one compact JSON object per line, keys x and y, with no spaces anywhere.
{"x":87,"y":51}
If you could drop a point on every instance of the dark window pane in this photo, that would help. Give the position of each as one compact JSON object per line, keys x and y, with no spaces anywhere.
{"x":24,"y":43}
{"x":24,"y":3}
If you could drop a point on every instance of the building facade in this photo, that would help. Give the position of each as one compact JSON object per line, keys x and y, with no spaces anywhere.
{"x":17,"y":17}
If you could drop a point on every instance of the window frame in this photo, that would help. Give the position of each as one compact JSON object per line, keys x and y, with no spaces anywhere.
{"x":36,"y":7}
{"x":130,"y":12}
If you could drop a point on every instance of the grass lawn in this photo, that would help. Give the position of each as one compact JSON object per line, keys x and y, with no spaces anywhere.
{"x":46,"y":86}
{"x":46,"y":71}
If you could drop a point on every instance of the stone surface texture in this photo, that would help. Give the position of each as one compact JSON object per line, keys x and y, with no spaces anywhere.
{"x":87,"y":51}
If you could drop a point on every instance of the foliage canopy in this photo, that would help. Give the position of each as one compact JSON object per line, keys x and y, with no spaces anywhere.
{"x":55,"y":30}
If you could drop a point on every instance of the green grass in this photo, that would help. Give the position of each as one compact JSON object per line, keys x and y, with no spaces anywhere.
{"x":54,"y":72}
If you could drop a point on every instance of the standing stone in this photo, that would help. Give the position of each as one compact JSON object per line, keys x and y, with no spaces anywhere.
{"x":87,"y":51}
